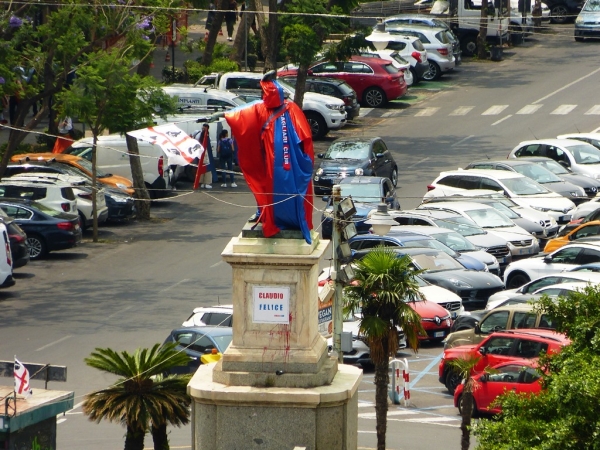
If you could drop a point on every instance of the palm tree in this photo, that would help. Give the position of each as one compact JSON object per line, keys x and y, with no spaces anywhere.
{"x":384,"y":284}
{"x":463,"y":368}
{"x":144,"y":395}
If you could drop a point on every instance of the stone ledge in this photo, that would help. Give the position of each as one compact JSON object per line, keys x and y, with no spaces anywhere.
{"x":274,"y":250}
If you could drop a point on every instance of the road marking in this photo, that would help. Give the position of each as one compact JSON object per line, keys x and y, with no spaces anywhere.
{"x":427,"y":112}
{"x":596,"y":130}
{"x":432,"y":419}
{"x":173,"y":285}
{"x":365,"y":111}
{"x":529,"y":109}
{"x":502,"y":120}
{"x":418,"y":162}
{"x":426,"y":370}
{"x":75,"y":407}
{"x":461,"y":141}
{"x":390,"y":413}
{"x":367,"y":432}
{"x":563,"y":109}
{"x":390,"y":113}
{"x":365,"y":405}
{"x":567,"y":86}
{"x":216,"y":264}
{"x":595,"y":110}
{"x":59,"y":421}
{"x":461,"y":111}
{"x":494,"y":110}
{"x":119,"y":312}
{"x":55,"y":342}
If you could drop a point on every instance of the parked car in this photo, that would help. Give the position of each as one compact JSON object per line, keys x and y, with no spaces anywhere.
{"x":79,"y":157}
{"x":520,"y":272}
{"x":216,"y":316}
{"x":189,"y":94}
{"x":585,"y":230}
{"x":47,"y":229}
{"x":199,"y":341}
{"x":474,"y":331}
{"x":399,"y":237}
{"x":376,"y":81}
{"x":587,"y":23}
{"x":586,"y":212}
{"x":59,"y":197}
{"x":563,"y":11}
{"x":394,"y":57}
{"x":541,"y":282}
{"x":521,"y":189}
{"x":579,"y":156}
{"x":17,"y":239}
{"x":520,"y":242}
{"x":499,"y":347}
{"x":409,"y":47}
{"x":474,"y":288}
{"x":334,"y":88}
{"x":353,"y":157}
{"x":492,"y":244}
{"x":590,"y":138}
{"x":367,"y":193}
{"x":519,"y":376}
{"x":439,"y":47}
{"x":537,"y":173}
{"x":6,"y":263}
{"x":591,"y":186}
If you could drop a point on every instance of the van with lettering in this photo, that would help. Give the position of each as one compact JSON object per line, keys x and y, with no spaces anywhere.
{"x":202,"y":96}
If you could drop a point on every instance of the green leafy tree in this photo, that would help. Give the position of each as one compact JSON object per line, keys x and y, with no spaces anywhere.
{"x":565,"y":414}
{"x":383,"y":287}
{"x":143,"y":396}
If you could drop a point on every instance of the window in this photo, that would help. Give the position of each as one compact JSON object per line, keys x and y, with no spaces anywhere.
{"x":184,"y":339}
{"x":379,"y":147}
{"x":530,"y":349}
{"x":494,"y":322}
{"x":468,"y":182}
{"x":398,"y":46}
{"x":542,"y":282}
{"x":355,"y":67}
{"x":590,"y":230}
{"x":588,"y":256}
{"x":214,"y":102}
{"x":30,"y":193}
{"x":201,"y":343}
{"x":566,"y":255}
{"x":219,"y":320}
{"x":370,"y":243}
{"x":450,"y":180}
{"x":242,"y":83}
{"x":556,"y":154}
{"x":499,"y":345}
{"x":506,"y":374}
{"x":16,"y":212}
{"x":420,"y":222}
{"x":487,"y":183}
{"x":523,"y":320}
{"x":482,"y":166}
{"x":529,"y":150}
{"x":327,"y":89}
{"x":402,"y":220}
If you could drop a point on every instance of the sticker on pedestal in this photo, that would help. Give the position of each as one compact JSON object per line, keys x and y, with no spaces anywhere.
{"x":271,"y":304}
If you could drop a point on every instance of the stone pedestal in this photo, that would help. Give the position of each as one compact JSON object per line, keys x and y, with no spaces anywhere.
{"x":275,"y":386}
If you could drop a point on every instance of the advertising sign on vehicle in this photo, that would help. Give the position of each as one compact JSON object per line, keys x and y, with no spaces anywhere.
{"x":271,"y":304}
{"x":326,"y":310}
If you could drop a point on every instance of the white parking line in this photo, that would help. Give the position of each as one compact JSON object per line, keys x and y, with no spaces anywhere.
{"x":529,"y":109}
{"x":365,"y":111}
{"x":427,"y":112}
{"x":502,"y":120}
{"x":594,"y":110}
{"x":563,"y":109}
{"x":417,"y":163}
{"x":119,"y":312}
{"x":462,"y":140}
{"x":173,"y":285}
{"x":494,"y":110}
{"x":461,"y":111}
{"x":55,"y":342}
{"x":566,"y":86}
{"x":216,"y":264}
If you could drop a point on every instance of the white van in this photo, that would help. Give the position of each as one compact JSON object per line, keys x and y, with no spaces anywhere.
{"x":112,"y":157}
{"x":323,"y":112}
{"x":6,"y":265}
{"x":199,"y":96}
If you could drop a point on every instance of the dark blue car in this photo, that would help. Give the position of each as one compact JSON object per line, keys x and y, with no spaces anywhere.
{"x":398,"y":238}
{"x":198,"y":341}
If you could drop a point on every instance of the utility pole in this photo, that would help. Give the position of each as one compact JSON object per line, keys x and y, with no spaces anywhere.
{"x":338,"y":316}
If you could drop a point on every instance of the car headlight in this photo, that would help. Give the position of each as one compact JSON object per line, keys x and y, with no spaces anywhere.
{"x":459,"y":283}
{"x":334,"y":107}
{"x":319,"y":171}
{"x":358,"y":172}
{"x":122,"y":186}
{"x":579,"y":20}
{"x":119,"y":199}
{"x":539,"y":208}
{"x":485,"y":268}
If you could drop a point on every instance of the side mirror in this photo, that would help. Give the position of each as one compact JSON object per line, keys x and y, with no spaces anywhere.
{"x":477,"y":328}
{"x":570,"y":237}
{"x":483,"y":351}
{"x":378,"y":155}
{"x":547,"y":259}
{"x":484,"y":378}
{"x":320,"y":155}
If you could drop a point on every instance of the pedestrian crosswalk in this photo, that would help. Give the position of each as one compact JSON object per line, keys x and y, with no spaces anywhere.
{"x":493,"y":110}
{"x":415,"y":416}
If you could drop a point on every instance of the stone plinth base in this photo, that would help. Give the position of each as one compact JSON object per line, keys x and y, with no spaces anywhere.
{"x":246,"y":418}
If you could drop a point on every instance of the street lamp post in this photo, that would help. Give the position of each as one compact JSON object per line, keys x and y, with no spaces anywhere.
{"x":380,"y":220}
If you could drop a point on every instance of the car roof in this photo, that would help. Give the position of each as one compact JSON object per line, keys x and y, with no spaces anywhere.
{"x":572,"y":286}
{"x":432,"y":213}
{"x":533,"y":158}
{"x":461,"y":206}
{"x":208,"y":331}
{"x":583,"y":135}
{"x":362,"y":180}
{"x":34,"y":157}
{"x":369,"y":59}
{"x":415,"y":250}
{"x":584,"y":276}
{"x":407,"y":235}
{"x":424,"y":229}
{"x":217,"y":308}
{"x":590,"y":244}
{"x":498,"y":174}
{"x":508,"y":162}
{"x":535,"y":333}
{"x":33,"y":183}
{"x":335,"y":81}
{"x":357,"y":139}
{"x":556,"y":142}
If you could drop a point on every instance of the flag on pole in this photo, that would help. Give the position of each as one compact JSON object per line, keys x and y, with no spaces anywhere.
{"x":180,"y":148}
{"x":22,"y":379}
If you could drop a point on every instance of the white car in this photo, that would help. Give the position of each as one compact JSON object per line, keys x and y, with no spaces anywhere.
{"x":520,"y":242}
{"x":586,"y":208}
{"x":216,"y":316}
{"x":520,"y":272}
{"x":536,"y":285}
{"x":59,"y":197}
{"x":6,"y":263}
{"x":524,"y":191}
{"x":82,"y":190}
{"x":458,"y":243}
{"x":575,"y":154}
{"x":398,"y":61}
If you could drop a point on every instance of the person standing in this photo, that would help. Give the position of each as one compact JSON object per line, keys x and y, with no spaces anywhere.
{"x":225,"y":149}
{"x":231,"y":18}
{"x":207,"y":160}
{"x":210,"y":17}
{"x":65,"y":135}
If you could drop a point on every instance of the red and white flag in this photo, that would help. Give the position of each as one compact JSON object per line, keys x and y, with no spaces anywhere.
{"x":22,"y":379}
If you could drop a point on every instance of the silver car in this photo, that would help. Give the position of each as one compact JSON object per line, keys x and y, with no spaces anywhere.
{"x":587,"y":24}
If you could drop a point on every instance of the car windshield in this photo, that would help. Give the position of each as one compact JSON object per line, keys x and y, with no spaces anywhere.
{"x":537,"y":173}
{"x":429,"y":243}
{"x":592,"y":6}
{"x":456,"y":242}
{"x":222,"y":342}
{"x":436,"y":261}
{"x":524,"y":186}
{"x":461,"y":225}
{"x":585,"y":154}
{"x":553,"y":166}
{"x":489,"y":218}
{"x":287,"y":87}
{"x":348,"y":150}
{"x":46,"y":210}
{"x":501,"y":206}
{"x":87,"y":165}
{"x":389,"y":68}
{"x":399,"y":59}
{"x":362,"y":192}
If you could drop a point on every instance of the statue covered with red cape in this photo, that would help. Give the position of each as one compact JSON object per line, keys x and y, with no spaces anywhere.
{"x":275,"y":153}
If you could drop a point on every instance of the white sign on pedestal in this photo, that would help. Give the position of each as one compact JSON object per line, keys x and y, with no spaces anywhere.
{"x":271,"y":304}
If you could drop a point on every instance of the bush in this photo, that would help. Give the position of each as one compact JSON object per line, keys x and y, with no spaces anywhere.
{"x":173,"y":76}
{"x":196,"y":70}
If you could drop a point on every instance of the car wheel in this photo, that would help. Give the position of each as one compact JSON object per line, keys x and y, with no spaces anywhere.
{"x":453,"y":379}
{"x":151,"y":192}
{"x":318,"y":127}
{"x":82,"y":222}
{"x":394,"y":177}
{"x":190,"y":172}
{"x":434,"y":72}
{"x":37,"y":246}
{"x":374,"y":97}
{"x":416,"y":78}
{"x":469,"y":45}
{"x":517,"y":280}
{"x":559,"y":14}
{"x":461,"y":399}
{"x":367,"y":365}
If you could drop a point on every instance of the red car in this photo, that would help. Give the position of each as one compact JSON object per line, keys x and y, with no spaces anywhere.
{"x":500,"y":347}
{"x":376,"y":81}
{"x":519,"y":376}
{"x":435,"y":320}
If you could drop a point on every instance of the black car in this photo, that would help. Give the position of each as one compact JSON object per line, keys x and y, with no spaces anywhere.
{"x":47,"y":229}
{"x":440,"y":269}
{"x":198,"y":341}
{"x":354,"y":157}
{"x":120,"y":205}
{"x":366,"y":193}
{"x":18,"y":241}
{"x":334,"y":88}
{"x":563,"y":11}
